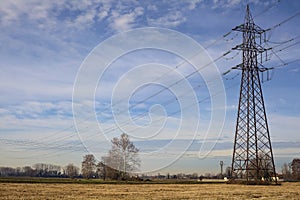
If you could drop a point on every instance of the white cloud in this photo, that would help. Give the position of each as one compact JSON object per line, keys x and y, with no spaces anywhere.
{"x":23,"y":83}
{"x":232,"y":3}
{"x":16,"y":10}
{"x":193,"y":4}
{"x":152,"y":7}
{"x":85,"y":20}
{"x":296,"y":70}
{"x":104,"y":11}
{"x":42,"y":44}
{"x":122,"y":22}
{"x":284,"y":128}
{"x":31,"y":117}
{"x":47,"y":14}
{"x":172,"y":19}
{"x":42,"y":109}
{"x":235,"y":3}
{"x":11,"y":11}
{"x":225,"y":4}
{"x":120,"y":15}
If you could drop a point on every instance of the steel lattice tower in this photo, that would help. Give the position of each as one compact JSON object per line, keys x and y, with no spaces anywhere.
{"x":252,"y":154}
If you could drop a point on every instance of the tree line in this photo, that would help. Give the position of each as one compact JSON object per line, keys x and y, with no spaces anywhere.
{"x":121,"y":160}
{"x":41,"y":170}
{"x":118,"y":164}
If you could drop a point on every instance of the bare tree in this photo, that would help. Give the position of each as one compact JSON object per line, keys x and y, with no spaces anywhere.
{"x":295,"y":165}
{"x":28,"y":171}
{"x":101,"y":170}
{"x":88,"y":166}
{"x":104,"y":171}
{"x":261,"y":168}
{"x":47,"y":170}
{"x":7,"y":171}
{"x":228,"y":172}
{"x":286,"y":172}
{"x":71,"y":170}
{"x":122,"y":158}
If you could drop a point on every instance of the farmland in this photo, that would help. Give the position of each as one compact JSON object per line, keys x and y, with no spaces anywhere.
{"x":146,"y":191}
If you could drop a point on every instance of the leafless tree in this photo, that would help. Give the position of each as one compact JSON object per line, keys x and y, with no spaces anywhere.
{"x":228,"y":172}
{"x":101,"y":170}
{"x":71,"y":170}
{"x":104,"y":170}
{"x":88,"y":166}
{"x":261,"y":169}
{"x":28,"y":171}
{"x":122,"y":158}
{"x":295,"y":165}
{"x":43,"y":169}
{"x":7,"y":171}
{"x":286,"y":172}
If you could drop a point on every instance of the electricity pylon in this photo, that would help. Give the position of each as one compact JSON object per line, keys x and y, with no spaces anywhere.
{"x":252,"y":153}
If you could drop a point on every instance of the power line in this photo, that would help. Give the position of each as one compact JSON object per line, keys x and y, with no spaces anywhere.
{"x":155,"y":94}
{"x":267,"y":9}
{"x":288,"y":46}
{"x":283,"y":42}
{"x":176,"y":67}
{"x":280,"y":24}
{"x":115,"y":128}
{"x":275,"y":51}
{"x":57,"y":147}
{"x":180,"y":64}
{"x":285,"y":64}
{"x":178,"y":81}
{"x":283,"y":22}
{"x":74,"y":150}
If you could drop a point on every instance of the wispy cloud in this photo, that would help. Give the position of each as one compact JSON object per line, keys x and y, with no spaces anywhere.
{"x":172,"y":19}
{"x":43,"y":43}
{"x":120,"y":21}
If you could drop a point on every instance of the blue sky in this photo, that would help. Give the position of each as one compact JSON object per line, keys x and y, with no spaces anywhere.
{"x":44,"y":43}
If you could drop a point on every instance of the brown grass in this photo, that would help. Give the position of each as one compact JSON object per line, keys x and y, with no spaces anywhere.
{"x":147,"y":191}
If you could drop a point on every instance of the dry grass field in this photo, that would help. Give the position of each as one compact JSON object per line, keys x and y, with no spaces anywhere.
{"x":146,"y":191}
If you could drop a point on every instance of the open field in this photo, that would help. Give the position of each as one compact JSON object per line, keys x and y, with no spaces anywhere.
{"x":146,"y":191}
